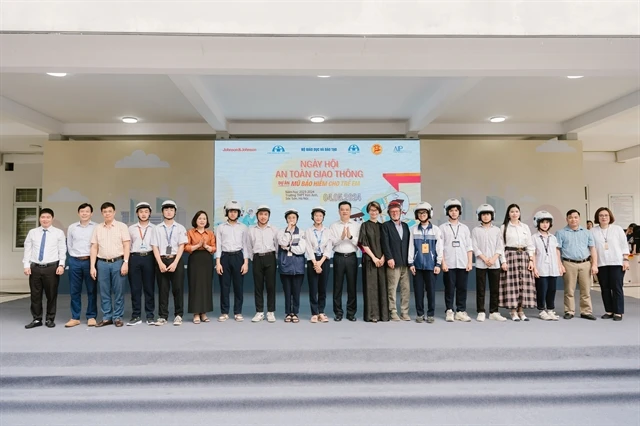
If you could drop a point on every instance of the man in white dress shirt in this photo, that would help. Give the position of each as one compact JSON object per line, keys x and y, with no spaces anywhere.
{"x":45,"y":251}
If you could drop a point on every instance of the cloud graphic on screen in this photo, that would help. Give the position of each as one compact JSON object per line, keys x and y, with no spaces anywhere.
{"x":140,"y":160}
{"x":67,"y":195}
{"x":554,"y":145}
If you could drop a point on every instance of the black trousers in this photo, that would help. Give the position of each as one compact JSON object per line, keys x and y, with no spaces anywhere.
{"x":345,"y":266}
{"x":264,"y":274}
{"x":142,"y":278}
{"x":546,"y":293}
{"x":455,"y":283}
{"x":47,"y":280}
{"x":318,"y":286}
{"x":425,"y":280}
{"x":481,"y":287}
{"x":611,"y":279}
{"x":174,"y":282}
{"x":231,"y":264}
{"x":291,"y":285}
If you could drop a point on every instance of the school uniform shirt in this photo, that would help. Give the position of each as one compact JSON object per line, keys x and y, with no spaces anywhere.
{"x":431,"y":235}
{"x":261,"y":240}
{"x":79,"y":239}
{"x":285,"y":239}
{"x":172,"y":235}
{"x":546,"y":255}
{"x":487,"y":242}
{"x":142,"y":238}
{"x":55,"y":247}
{"x":611,"y":245}
{"x":456,"y":245}
{"x":232,"y":238}
{"x":344,"y":246}
{"x":318,"y":241}
{"x":518,"y":236}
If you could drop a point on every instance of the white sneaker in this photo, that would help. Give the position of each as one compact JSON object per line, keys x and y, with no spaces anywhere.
{"x":552,"y":315}
{"x":161,"y":322}
{"x":462,"y":316}
{"x":481,"y":317}
{"x":271,"y":317}
{"x":543,"y":315}
{"x":497,"y":317}
{"x":449,"y":316}
{"x":259,"y":316}
{"x":177,"y":320}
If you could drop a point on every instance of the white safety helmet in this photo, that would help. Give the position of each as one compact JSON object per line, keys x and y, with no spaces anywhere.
{"x":232,"y":205}
{"x":289,"y":211}
{"x":423,"y":205}
{"x":486,"y":208}
{"x":143,"y":205}
{"x":169,"y":204}
{"x":318,"y":209}
{"x":452,"y":202}
{"x":263,"y":208}
{"x":540,"y":216}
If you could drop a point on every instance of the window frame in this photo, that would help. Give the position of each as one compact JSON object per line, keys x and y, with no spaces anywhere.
{"x":22,"y":205}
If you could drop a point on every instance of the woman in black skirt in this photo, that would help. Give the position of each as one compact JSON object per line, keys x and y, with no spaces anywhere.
{"x":201,"y":245}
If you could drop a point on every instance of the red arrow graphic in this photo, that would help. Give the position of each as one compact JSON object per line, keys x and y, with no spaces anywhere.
{"x":395,"y":179}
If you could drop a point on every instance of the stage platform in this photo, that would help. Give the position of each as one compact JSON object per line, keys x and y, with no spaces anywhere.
{"x":349,"y":373}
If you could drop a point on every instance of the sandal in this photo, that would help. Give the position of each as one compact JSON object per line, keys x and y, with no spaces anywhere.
{"x":295,"y":319}
{"x":196,"y":319}
{"x":314,"y":319}
{"x":287,"y":318}
{"x":204,"y":318}
{"x":323,"y":318}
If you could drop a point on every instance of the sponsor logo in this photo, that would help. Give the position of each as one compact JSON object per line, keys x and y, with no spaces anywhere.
{"x":353,"y":149}
{"x":376,"y":149}
{"x":278,"y":149}
{"x":399,"y":149}
{"x":239,"y":150}
{"x":316,"y":149}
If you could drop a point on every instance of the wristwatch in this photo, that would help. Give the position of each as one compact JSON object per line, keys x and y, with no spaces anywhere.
{"x":126,"y":260}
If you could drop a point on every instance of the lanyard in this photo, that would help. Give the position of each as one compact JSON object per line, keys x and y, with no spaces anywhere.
{"x":546,"y":246}
{"x":145,"y":232}
{"x":455,"y":234}
{"x":169,"y":235}
{"x":425,"y":231}
{"x":604,"y":236}
{"x":319,"y":239}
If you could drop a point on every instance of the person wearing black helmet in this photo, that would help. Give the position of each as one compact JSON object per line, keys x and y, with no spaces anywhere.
{"x":291,"y":264}
{"x":142,"y":269}
{"x":318,"y":254}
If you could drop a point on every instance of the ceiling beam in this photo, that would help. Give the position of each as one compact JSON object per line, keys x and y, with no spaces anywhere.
{"x":138,"y":129}
{"x":631,"y":153}
{"x":29,"y":117}
{"x":492,"y":129}
{"x":391,"y":128}
{"x":436,"y":103}
{"x":602,"y":113}
{"x":202,"y":99}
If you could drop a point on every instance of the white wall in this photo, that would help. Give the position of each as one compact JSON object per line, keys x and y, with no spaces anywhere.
{"x":604,"y":176}
{"x":24,"y":175}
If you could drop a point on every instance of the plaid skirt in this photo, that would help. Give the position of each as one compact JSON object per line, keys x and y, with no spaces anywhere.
{"x":517,"y":285}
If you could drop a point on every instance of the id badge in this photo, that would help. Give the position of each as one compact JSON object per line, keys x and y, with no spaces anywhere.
{"x":425,"y":248}
{"x":547,"y":259}
{"x":606,"y":246}
{"x":289,"y":253}
{"x":455,"y":244}
{"x":168,"y":250}
{"x":143,"y":247}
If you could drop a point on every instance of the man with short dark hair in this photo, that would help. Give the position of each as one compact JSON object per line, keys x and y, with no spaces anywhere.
{"x":142,"y":272}
{"x":44,"y":254}
{"x":579,"y":262}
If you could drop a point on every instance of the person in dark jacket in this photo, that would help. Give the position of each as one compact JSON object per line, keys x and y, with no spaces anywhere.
{"x":291,"y":262}
{"x":395,"y":247}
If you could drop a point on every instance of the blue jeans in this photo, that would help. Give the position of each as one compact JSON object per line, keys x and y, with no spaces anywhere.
{"x":79,"y":273}
{"x":546,"y":292}
{"x":110,"y":281}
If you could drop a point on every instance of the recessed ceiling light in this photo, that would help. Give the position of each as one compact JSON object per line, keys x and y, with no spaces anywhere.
{"x":324,"y":76}
{"x":316,"y":119}
{"x":575,"y":76}
{"x":498,"y":119}
{"x":57,"y":74}
{"x":130,"y":120}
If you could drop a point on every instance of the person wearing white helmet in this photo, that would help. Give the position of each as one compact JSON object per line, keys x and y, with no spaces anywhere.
{"x":547,"y":267}
{"x":168,"y":248}
{"x":318,"y":254}
{"x":517,"y":285}
{"x":425,"y":260}
{"x":292,"y":247}
{"x":488,"y":248}
{"x":232,"y":260}
{"x":374,"y":281}
{"x":395,"y":246}
{"x":344,"y":242}
{"x":457,"y":261}
{"x":262,"y":244}
{"x":142,"y":268}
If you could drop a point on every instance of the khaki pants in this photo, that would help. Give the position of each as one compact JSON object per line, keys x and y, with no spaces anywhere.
{"x":582,"y":273}
{"x":399,"y":275}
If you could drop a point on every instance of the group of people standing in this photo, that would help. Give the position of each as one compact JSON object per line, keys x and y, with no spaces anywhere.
{"x":521,"y":267}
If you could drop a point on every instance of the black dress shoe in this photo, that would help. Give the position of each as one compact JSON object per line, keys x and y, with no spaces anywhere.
{"x":103,"y":323}
{"x":617,"y":317}
{"x":33,"y":324}
{"x":338,"y":318}
{"x":50,"y":323}
{"x":352,"y":319}
{"x":567,"y":315}
{"x":607,"y":316}
{"x":588,"y":316}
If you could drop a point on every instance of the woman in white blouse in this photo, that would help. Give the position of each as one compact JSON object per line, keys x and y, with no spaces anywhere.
{"x":547,"y":266}
{"x":613,"y":261}
{"x":517,"y":286}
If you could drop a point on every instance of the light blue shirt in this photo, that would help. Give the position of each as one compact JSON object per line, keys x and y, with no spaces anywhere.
{"x":574,"y":245}
{"x":79,"y":239}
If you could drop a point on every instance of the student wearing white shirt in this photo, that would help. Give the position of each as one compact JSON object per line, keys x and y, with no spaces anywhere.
{"x":613,"y":260}
{"x":45,"y":251}
{"x":318,"y":254}
{"x":517,"y":285}
{"x":488,"y":248}
{"x":457,"y":261}
{"x":142,"y":267}
{"x":291,"y":264}
{"x":547,"y":265}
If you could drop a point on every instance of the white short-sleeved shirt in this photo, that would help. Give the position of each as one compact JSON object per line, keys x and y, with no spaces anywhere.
{"x":546,"y":250}
{"x":456,"y":244}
